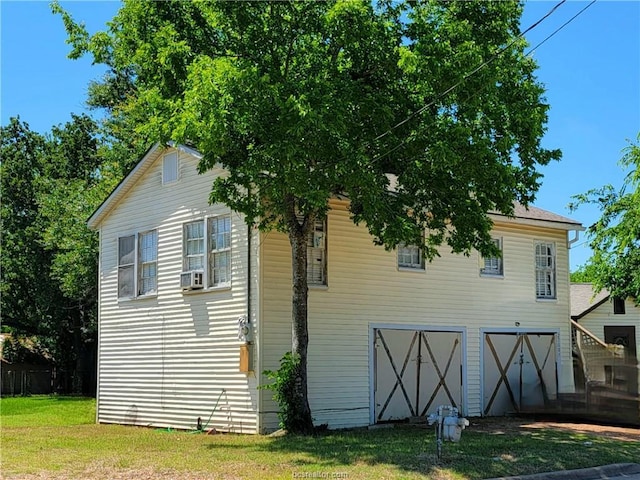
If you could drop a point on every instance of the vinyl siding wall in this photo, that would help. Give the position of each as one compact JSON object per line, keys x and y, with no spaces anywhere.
{"x":366,"y":287}
{"x":168,"y":359}
{"x":596,"y":320}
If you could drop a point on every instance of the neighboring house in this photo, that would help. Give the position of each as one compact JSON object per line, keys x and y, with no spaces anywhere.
{"x":614,"y":321}
{"x":390,"y":336}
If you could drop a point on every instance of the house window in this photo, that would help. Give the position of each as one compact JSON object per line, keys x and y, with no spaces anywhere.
{"x":545,"y":270}
{"x":220,"y":251}
{"x":126,"y":266}
{"x":170,"y":168}
{"x":493,"y":265}
{"x":316,"y":254}
{"x":194,"y":246}
{"x":410,"y":256}
{"x":148,"y":263}
{"x":138,"y":252}
{"x":618,"y":306}
{"x":217,"y":245}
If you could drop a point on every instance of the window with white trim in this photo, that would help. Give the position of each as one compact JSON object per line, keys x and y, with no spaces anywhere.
{"x":493,"y":266}
{"x":148,"y":262}
{"x":126,"y":266}
{"x":210,"y":253}
{"x":545,"y":270}
{"x":170,"y":168}
{"x":410,"y":256}
{"x":317,"y":254}
{"x":220,"y":251}
{"x":138,"y":264}
{"x":194,"y":246}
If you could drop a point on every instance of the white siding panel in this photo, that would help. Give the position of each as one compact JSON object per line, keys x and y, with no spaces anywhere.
{"x":366,"y":287}
{"x":602,"y":316}
{"x":169,"y":359}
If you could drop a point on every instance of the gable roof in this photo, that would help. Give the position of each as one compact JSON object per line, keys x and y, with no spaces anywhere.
{"x":131,"y":178}
{"x":537,"y":216}
{"x":585,"y":300}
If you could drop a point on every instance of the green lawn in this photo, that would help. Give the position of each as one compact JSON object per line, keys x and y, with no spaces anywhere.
{"x":56,"y":438}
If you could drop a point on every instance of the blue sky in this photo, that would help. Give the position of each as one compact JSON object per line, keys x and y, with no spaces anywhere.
{"x":591,"y":70}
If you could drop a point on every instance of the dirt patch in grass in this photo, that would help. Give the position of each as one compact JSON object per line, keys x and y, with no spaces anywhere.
{"x":507,"y":425}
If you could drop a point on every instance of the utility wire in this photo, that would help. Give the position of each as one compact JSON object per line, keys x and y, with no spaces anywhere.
{"x":472,"y":72}
{"x":560,"y":28}
{"x":478,"y":68}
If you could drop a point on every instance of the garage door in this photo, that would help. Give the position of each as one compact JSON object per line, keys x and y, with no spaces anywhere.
{"x":415,"y":371}
{"x":519,"y":370}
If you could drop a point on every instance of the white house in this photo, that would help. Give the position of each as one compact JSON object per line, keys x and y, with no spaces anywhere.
{"x":390,"y":337}
{"x":614,"y":321}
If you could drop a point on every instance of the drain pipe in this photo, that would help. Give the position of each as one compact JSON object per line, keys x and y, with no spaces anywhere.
{"x":571,"y":241}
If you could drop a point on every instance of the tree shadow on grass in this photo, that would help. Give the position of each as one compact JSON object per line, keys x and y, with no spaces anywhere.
{"x":478,"y":455}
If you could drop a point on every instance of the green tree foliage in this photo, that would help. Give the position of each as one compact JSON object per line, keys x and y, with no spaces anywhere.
{"x":302,"y":101}
{"x":50,"y":185}
{"x":615,"y":237}
{"x":584,"y":274}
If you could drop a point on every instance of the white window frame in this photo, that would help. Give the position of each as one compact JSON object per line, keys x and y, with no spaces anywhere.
{"x":126,"y":266}
{"x":187,"y":257}
{"x":317,"y":252}
{"x":210,"y":252}
{"x":137,"y":266}
{"x":493,"y":266}
{"x":545,"y":270}
{"x":217,"y":252}
{"x":409,"y":257}
{"x":147,"y":264}
{"x":174,"y":168}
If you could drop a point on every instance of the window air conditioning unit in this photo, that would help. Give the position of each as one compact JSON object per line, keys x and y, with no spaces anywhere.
{"x":191,"y":280}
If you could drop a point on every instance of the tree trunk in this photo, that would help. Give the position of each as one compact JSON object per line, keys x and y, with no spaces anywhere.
{"x":300,"y":333}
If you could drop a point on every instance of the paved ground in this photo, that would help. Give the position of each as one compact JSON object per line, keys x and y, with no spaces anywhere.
{"x":618,"y":471}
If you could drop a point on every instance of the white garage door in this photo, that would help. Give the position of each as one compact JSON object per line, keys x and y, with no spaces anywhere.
{"x":519,"y":371}
{"x":415,"y":371}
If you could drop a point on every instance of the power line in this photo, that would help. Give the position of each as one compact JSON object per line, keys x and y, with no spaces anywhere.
{"x":472,"y":72}
{"x":560,"y":28}
{"x":478,"y":68}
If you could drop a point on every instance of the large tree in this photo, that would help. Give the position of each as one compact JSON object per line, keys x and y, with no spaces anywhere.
{"x":302,"y":101}
{"x":615,"y":237}
{"x":50,"y":185}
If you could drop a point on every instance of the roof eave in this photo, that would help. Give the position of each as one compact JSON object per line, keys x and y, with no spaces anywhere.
{"x":121,"y":189}
{"x":538,"y":223}
{"x":590,"y":309}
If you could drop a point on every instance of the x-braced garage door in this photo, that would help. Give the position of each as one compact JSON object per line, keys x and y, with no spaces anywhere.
{"x":415,"y":371}
{"x":520,"y":372}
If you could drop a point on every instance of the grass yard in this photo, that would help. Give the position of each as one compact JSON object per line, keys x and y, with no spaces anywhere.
{"x":55,"y":437}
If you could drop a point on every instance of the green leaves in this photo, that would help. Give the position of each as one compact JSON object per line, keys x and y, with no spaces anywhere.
{"x":615,"y":237}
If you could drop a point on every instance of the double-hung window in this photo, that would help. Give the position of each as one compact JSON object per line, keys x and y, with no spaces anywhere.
{"x":209,"y":253}
{"x":493,"y":266}
{"x":220,"y":251}
{"x":317,"y":254}
{"x":545,"y":270}
{"x":194,"y":246}
{"x":138,"y":264}
{"x":410,"y":256}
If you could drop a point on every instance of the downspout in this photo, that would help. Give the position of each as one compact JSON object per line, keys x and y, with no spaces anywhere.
{"x":571,"y":241}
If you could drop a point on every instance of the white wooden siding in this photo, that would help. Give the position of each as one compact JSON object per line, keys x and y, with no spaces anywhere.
{"x":603,"y":315}
{"x":167,"y":360}
{"x":366,"y":287}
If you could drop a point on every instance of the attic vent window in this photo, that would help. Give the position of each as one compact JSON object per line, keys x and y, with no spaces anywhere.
{"x":170,"y":168}
{"x":618,"y":306}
